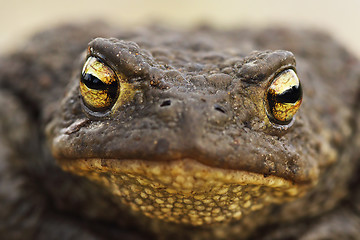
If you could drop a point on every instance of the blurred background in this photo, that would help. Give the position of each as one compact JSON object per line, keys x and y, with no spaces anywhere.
{"x":19,"y":18}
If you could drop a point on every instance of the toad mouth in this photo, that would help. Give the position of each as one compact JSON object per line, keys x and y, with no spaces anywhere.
{"x":185,"y":190}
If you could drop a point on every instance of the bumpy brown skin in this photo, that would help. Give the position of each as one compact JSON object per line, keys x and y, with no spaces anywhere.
{"x":196,"y":70}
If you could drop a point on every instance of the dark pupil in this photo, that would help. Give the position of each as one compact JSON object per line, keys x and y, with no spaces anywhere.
{"x":291,"y":95}
{"x":95,"y":83}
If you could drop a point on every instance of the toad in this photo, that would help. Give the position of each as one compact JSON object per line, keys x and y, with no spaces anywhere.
{"x":162,"y":134}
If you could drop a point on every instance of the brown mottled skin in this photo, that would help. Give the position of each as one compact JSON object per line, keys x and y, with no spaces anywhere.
{"x":200,"y":98}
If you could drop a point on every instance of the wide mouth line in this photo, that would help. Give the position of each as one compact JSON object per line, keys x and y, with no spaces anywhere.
{"x":180,"y":167}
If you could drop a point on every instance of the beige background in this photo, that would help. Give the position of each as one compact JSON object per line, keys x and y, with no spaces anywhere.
{"x":18,"y":19}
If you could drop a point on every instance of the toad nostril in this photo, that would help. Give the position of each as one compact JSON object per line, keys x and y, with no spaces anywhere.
{"x":165,"y":103}
{"x":219,"y":108}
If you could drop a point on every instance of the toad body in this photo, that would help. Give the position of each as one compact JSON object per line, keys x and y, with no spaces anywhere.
{"x":161,"y":134}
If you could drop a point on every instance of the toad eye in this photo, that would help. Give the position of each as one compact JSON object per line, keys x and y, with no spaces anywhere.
{"x":284,"y":97}
{"x":99,"y":85}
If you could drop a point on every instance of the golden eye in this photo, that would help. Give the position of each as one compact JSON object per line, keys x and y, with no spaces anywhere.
{"x":99,"y":85}
{"x":284,"y":97}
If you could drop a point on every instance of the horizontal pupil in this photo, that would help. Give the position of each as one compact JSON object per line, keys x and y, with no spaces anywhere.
{"x":93,"y":82}
{"x":291,"y":95}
